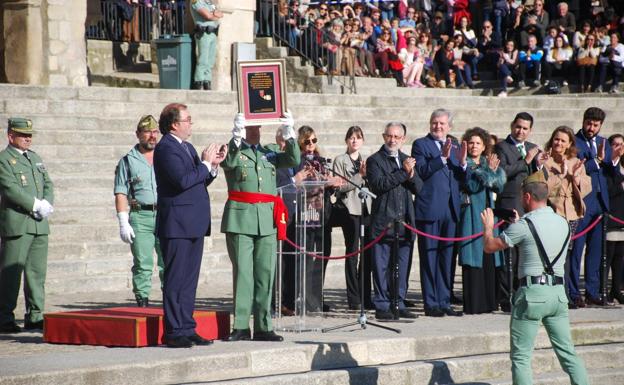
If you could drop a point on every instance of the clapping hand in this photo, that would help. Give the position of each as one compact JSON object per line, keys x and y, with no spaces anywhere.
{"x":213,"y":155}
{"x":463,"y":153}
{"x":363,"y":168}
{"x":542,"y":157}
{"x":531,"y":155}
{"x":617,"y":151}
{"x":493,"y":162}
{"x":408,"y":165}
{"x":602,"y":150}
{"x":446,"y":148}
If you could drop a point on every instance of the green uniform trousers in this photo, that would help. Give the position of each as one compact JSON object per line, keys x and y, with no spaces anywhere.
{"x":206,"y":57}
{"x":143,"y":223}
{"x":253,"y":259}
{"x":548,"y":304}
{"x":27,"y":254}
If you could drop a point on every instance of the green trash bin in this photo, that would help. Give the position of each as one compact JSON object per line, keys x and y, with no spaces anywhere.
{"x":174,"y":61}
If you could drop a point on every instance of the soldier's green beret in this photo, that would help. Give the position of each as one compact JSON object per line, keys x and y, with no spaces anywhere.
{"x":536,"y":177}
{"x":21,"y":125}
{"x":147,"y":123}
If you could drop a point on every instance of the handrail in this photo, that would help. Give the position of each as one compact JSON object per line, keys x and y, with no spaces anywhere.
{"x":162,"y":18}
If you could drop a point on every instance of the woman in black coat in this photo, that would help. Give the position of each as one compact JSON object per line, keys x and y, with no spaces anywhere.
{"x":615,"y":230}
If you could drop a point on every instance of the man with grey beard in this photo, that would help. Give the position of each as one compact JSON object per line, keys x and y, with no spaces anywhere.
{"x":135,"y":201}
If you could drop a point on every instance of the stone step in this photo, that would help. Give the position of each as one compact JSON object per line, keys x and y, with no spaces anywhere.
{"x":40,"y":95}
{"x":479,"y":369}
{"x":418,"y":355}
{"x":201,"y":116}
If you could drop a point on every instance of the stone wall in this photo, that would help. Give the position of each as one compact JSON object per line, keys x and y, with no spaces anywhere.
{"x":44,"y":42}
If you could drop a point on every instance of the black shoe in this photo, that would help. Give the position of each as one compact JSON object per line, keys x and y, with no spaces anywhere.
{"x":179,"y":342}
{"x":33,"y":325}
{"x":196,"y":339}
{"x":404,"y":313}
{"x":207,"y":85}
{"x":434,"y":312}
{"x":572,"y":306}
{"x":326,"y":308}
{"x":142,"y":302}
{"x":452,"y":313}
{"x":197,"y":85}
{"x":240,"y":335}
{"x":618,"y":297}
{"x":267,"y":336}
{"x":9,"y":328}
{"x":505,"y":307}
{"x":593,"y":301}
{"x":455,"y":300}
{"x":384,"y":315}
{"x":409,"y":303}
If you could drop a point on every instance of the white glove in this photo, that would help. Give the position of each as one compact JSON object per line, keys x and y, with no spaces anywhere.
{"x":288,"y":126}
{"x":126,"y":233}
{"x":45,"y":209}
{"x":238,"y":132}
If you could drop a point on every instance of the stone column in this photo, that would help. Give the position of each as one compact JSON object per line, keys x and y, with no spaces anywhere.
{"x":237,"y":25}
{"x":23,"y":34}
{"x":44,"y":42}
{"x":66,"y":51}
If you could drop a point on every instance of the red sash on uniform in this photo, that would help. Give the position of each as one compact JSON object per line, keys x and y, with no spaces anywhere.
{"x":280,"y":211}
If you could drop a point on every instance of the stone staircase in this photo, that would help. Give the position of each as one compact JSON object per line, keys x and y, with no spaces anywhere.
{"x":82,"y":132}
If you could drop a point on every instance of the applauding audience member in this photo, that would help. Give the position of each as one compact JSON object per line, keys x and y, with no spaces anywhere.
{"x":586,"y":61}
{"x":348,"y":208}
{"x":478,"y":268}
{"x":615,"y":230}
{"x":507,"y":66}
{"x":559,"y":60}
{"x":611,"y":60}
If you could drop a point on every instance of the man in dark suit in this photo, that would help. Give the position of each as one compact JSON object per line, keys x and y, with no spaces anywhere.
{"x":600,"y":160}
{"x":441,"y":164}
{"x":519,"y":158}
{"x":391,"y":176}
{"x":183,"y":219}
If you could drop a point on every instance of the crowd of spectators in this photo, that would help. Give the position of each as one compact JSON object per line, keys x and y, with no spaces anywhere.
{"x":446,"y":43}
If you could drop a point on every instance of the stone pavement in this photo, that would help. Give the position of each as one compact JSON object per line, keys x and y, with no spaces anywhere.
{"x":471,"y":348}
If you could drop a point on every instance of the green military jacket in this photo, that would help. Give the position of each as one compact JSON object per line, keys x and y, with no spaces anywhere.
{"x":21,"y":181}
{"x":254,"y":172}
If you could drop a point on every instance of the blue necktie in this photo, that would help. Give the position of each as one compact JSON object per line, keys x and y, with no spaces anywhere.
{"x":186,"y":147}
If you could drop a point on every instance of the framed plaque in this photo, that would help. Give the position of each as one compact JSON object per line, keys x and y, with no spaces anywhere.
{"x":262,"y":91}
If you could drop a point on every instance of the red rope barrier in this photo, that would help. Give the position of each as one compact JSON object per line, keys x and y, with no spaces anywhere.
{"x":466,"y":238}
{"x":352,"y":254}
{"x":615,"y":219}
{"x":585,"y":230}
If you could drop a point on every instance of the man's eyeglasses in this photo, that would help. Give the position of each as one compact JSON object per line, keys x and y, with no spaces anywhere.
{"x":395,"y":137}
{"x":187,"y":120}
{"x":308,"y":142}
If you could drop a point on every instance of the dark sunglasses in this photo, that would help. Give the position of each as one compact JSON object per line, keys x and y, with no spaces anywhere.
{"x":308,"y":142}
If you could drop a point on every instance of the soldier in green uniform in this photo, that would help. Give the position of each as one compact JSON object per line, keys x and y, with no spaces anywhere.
{"x":26,"y":202}
{"x":542,"y":238}
{"x":206,"y":17}
{"x":135,"y":201}
{"x":251,"y":220}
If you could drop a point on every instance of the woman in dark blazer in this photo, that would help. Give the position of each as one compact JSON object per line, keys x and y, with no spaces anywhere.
{"x":615,"y":231}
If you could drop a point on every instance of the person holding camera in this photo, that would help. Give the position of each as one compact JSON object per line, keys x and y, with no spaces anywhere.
{"x":542,"y":238}
{"x":206,"y":17}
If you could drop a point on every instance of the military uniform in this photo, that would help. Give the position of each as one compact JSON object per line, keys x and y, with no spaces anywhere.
{"x":135,"y":178}
{"x":206,"y":39}
{"x":250,"y":229}
{"x":541,"y":296}
{"x":24,"y":181}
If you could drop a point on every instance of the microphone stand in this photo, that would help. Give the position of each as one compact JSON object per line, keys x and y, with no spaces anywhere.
{"x":362,"y":320}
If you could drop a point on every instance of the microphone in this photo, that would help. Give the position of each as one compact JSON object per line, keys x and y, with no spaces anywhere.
{"x":320,"y":159}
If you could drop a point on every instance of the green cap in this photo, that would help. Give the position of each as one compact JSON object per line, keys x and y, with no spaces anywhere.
{"x":536,"y":177}
{"x":147,"y":123}
{"x":21,"y":125}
